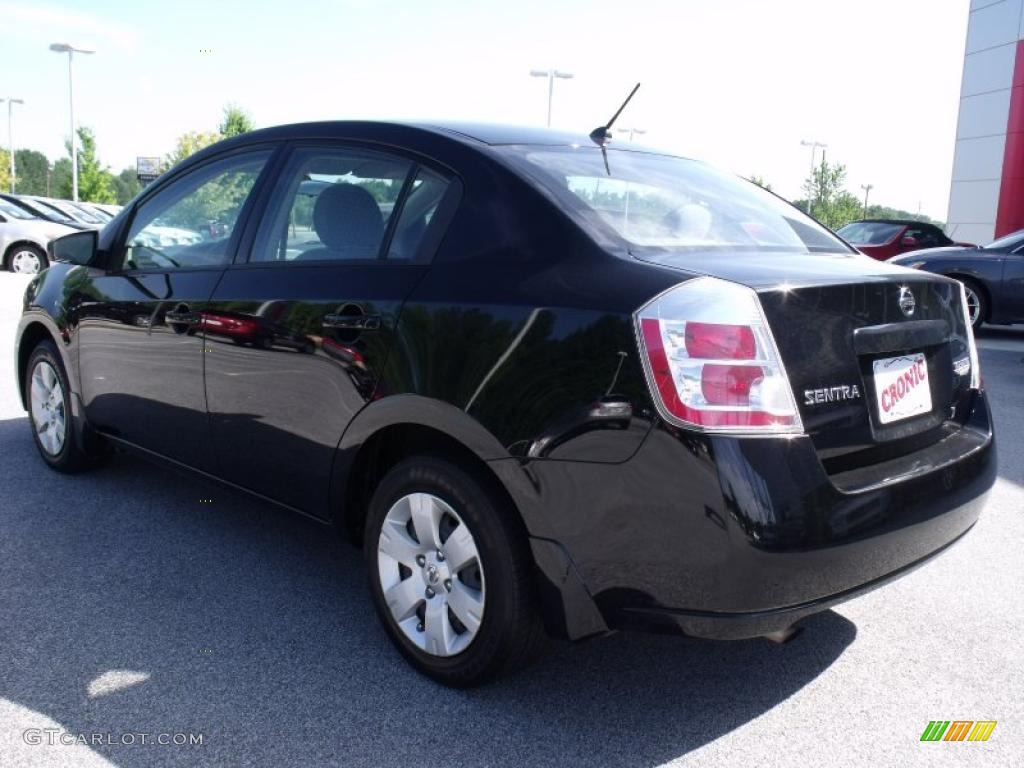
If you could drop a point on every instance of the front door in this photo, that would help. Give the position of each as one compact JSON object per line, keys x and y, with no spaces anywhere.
{"x":140,"y":335}
{"x":1012,"y":288}
{"x":299,"y":329}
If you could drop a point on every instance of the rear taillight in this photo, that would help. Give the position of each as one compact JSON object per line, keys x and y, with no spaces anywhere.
{"x":971,"y":346}
{"x":711,"y":361}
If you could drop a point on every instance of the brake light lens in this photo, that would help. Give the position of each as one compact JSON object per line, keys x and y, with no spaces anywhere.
{"x":971,"y":346}
{"x":711,"y":360}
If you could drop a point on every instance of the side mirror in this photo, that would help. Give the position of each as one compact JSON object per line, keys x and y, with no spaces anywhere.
{"x":909,"y":242}
{"x":77,"y":248}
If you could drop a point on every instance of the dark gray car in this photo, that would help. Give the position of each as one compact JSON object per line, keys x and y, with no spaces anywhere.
{"x":993,"y":276}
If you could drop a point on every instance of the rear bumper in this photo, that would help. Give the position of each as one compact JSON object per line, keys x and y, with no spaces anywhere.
{"x":738,"y":537}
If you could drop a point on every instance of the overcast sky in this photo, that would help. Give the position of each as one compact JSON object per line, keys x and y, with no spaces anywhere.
{"x":738,"y":83}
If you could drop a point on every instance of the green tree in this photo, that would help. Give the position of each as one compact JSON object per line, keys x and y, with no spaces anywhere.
{"x":885,"y":212}
{"x":94,"y":181}
{"x":760,"y":181}
{"x":5,"y":171}
{"x":60,"y":178}
{"x":32,"y":168}
{"x":188,"y":144}
{"x":826,"y":199}
{"x":236,"y":122}
{"x":126,"y":185}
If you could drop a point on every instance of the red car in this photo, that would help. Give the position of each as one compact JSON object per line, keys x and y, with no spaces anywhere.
{"x":884,"y":238}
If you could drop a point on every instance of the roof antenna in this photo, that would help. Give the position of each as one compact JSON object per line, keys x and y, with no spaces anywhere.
{"x":602,"y":135}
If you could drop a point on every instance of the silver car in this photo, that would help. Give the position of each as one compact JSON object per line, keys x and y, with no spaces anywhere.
{"x":23,"y":239}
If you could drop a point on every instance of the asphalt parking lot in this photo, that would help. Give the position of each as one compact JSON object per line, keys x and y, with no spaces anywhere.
{"x":128,"y":606}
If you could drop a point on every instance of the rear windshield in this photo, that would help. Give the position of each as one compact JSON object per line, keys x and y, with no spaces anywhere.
{"x":652,"y":200}
{"x":869,"y":232}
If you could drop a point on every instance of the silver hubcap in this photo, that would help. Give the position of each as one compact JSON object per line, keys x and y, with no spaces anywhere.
{"x":47,"y":400}
{"x":25,"y":262}
{"x":973,"y":305}
{"x":431,"y":575}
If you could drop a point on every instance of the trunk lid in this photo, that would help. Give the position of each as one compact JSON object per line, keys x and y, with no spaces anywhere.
{"x":849,"y":349}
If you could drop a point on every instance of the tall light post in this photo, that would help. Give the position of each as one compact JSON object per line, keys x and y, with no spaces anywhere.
{"x":814,"y":147}
{"x":813,"y":144}
{"x":71,"y":50}
{"x":10,"y":133}
{"x":550,"y":74}
{"x":631,"y":131}
{"x":867,"y":190}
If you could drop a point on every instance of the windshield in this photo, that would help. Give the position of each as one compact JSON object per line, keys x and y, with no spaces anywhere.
{"x":869,"y":232}
{"x":90,"y":215}
{"x":1007,"y":242}
{"x":72,"y":211}
{"x":44,"y":212}
{"x":670,"y":202}
{"x":12,"y":211}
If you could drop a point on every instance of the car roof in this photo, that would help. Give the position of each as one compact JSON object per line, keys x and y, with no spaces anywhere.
{"x":901,"y":222}
{"x":479,"y":135}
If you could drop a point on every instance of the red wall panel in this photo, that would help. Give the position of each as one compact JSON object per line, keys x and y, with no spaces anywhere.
{"x":1010,"y":216}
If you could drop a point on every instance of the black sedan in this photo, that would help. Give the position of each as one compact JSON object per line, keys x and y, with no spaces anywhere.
{"x":547,"y":385}
{"x":993,"y":276}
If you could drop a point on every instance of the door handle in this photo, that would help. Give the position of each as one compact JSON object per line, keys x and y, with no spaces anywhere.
{"x":352,"y":322}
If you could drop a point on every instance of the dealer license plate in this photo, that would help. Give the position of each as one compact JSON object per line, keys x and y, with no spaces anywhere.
{"x":902,"y":387}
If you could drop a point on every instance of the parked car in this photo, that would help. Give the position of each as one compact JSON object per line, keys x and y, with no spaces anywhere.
{"x":72,"y":210}
{"x":24,"y":237}
{"x":993,"y":276}
{"x":110,"y":209}
{"x":102,"y":214}
{"x":884,"y":238}
{"x":696,"y":410}
{"x":40,"y":211}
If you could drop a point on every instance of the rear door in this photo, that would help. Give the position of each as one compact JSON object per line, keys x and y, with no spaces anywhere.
{"x":140,"y":340}
{"x":299,"y":329}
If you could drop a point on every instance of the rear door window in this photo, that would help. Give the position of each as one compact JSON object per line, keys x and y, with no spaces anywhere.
{"x":332,"y":204}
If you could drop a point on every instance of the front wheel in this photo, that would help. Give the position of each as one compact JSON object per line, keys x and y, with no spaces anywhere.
{"x":27,"y":260}
{"x":49,"y":401}
{"x":450,"y":573}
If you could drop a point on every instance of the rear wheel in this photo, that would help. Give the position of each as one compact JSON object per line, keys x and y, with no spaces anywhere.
{"x":26,"y":259}
{"x":49,"y":402}
{"x":977,"y":303}
{"x":450,"y":573}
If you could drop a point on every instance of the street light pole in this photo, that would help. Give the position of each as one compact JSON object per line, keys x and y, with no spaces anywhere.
{"x":70,"y":50}
{"x":10,"y":134}
{"x":867,"y":190}
{"x":814,"y":146}
{"x":550,"y":74}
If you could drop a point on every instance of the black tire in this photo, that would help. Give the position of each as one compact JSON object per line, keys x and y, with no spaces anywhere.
{"x":510,"y":632}
{"x":15,"y":249}
{"x":70,"y":458}
{"x":972,"y":286}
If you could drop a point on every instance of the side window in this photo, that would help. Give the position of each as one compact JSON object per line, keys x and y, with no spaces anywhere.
{"x":925,"y":236}
{"x":331,"y":205}
{"x":189,"y":223}
{"x":425,"y":195}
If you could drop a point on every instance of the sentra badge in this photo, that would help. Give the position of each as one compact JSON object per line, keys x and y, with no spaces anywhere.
{"x":831,"y":394}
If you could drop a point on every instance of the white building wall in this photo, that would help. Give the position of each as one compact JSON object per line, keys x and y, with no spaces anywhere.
{"x":993,"y":31}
